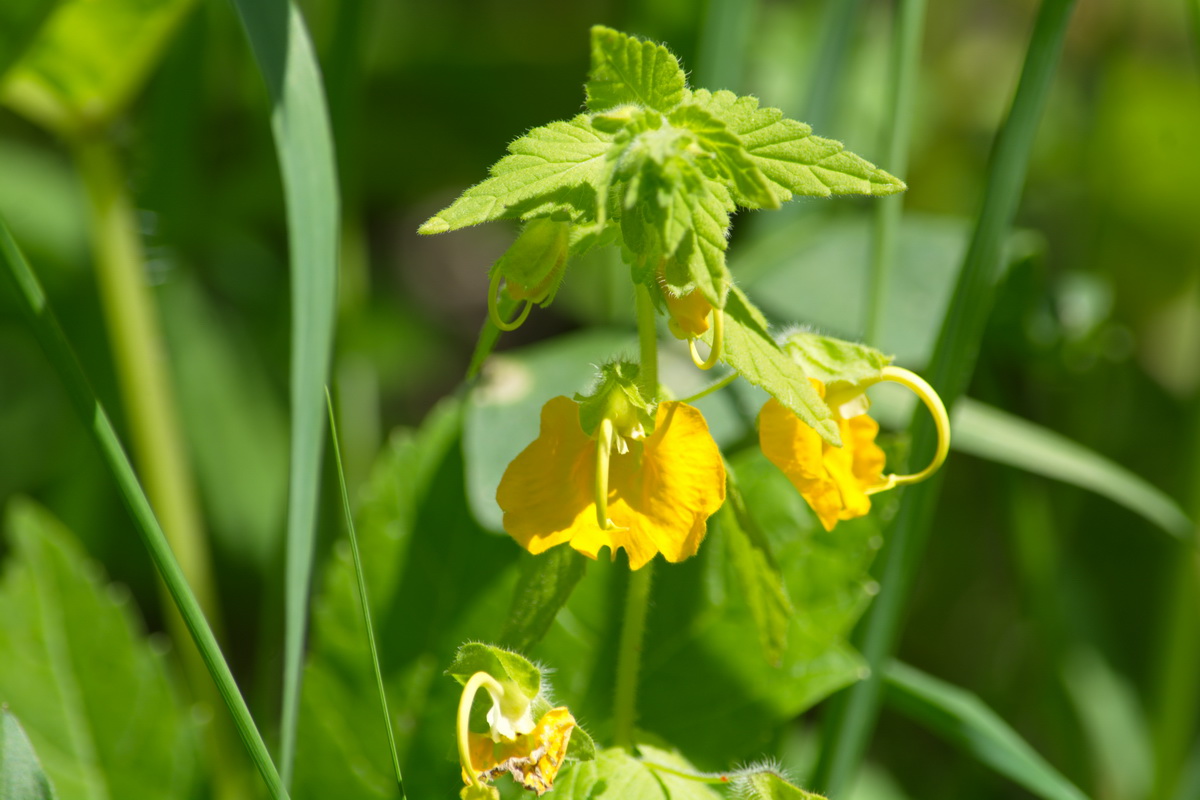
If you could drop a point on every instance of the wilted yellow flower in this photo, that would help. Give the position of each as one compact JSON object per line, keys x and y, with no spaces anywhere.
{"x":648,"y":495}
{"x":533,"y":759}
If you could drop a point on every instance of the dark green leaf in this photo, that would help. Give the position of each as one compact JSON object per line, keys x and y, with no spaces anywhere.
{"x":545,"y":585}
{"x":759,"y":580}
{"x":967,"y":722}
{"x":19,"y":23}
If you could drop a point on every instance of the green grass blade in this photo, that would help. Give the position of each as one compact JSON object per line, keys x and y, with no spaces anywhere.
{"x":837,"y":27}
{"x":853,"y":714}
{"x":362,"y":594}
{"x":300,"y":123}
{"x":988,"y":432}
{"x":724,"y":37}
{"x":905,"y":57}
{"x":966,"y":721}
{"x":50,"y":335}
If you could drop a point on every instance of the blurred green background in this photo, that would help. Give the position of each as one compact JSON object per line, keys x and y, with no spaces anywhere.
{"x":1063,"y":610}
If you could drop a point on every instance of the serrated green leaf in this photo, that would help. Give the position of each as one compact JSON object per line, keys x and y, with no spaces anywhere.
{"x":966,"y":721}
{"x":503,"y":665}
{"x":21,"y":774}
{"x":545,"y":585}
{"x":557,"y":169}
{"x":626,"y":70}
{"x":793,"y":160}
{"x":743,"y":177}
{"x":836,"y":363}
{"x":93,"y":695}
{"x":750,"y":349}
{"x":89,"y":59}
{"x":767,"y":785}
{"x":759,"y":580}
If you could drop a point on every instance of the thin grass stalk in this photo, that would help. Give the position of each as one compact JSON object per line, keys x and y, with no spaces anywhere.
{"x":907,"y":27}
{"x":62,"y":358}
{"x":362,"y":596}
{"x":852,"y":717}
{"x":829,"y":65}
{"x":304,"y":144}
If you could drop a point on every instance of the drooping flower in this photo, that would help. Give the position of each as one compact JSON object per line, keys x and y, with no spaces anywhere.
{"x":837,"y":482}
{"x":617,"y":486}
{"x":834,"y":480}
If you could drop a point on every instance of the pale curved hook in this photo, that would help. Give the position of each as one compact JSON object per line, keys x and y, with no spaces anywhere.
{"x":479,"y":679}
{"x":941,"y":419}
{"x":494,"y":313}
{"x":714,"y":353}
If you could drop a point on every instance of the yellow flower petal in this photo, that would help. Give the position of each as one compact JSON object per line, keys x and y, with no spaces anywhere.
{"x":833,"y":480}
{"x":533,"y":759}
{"x":661,"y":492}
{"x":687,"y":315}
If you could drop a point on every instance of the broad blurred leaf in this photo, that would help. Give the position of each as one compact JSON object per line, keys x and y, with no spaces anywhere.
{"x":89,"y":60}
{"x":988,"y":432}
{"x":93,"y":694}
{"x":19,"y":22}
{"x":21,"y":774}
{"x":967,"y":722}
{"x":544,"y":586}
{"x":628,"y":71}
{"x":435,"y":580}
{"x":753,"y":352}
{"x":758,"y":579}
{"x":235,"y":423}
{"x":616,"y":775}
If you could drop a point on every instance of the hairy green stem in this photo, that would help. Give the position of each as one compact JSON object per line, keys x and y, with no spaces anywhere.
{"x":629,"y":655}
{"x":905,"y":56}
{"x":853,"y":714}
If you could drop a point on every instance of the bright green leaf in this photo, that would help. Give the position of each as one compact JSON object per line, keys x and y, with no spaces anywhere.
{"x":503,"y":665}
{"x":92,"y":694}
{"x":743,"y":177}
{"x":793,"y":160}
{"x":759,"y":580}
{"x":558,"y":168}
{"x":545,"y":585}
{"x":89,"y":60}
{"x":767,"y":785}
{"x":676,"y":787}
{"x":966,"y":721}
{"x":21,"y":774}
{"x":616,"y":775}
{"x":750,"y":349}
{"x":836,"y":362}
{"x":626,"y":70}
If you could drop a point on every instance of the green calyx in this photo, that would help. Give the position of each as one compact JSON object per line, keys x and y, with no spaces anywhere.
{"x":846,"y":368}
{"x":618,"y":400}
{"x":533,"y":266}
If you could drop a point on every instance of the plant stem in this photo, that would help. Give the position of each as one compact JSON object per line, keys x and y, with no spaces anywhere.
{"x":906,"y":48}
{"x":629,"y":655}
{"x":852,"y":717}
{"x":50,"y":335}
{"x":647,"y":324}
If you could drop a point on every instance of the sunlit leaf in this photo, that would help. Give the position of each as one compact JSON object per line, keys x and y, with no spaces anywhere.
{"x":92,"y":693}
{"x":89,"y":60}
{"x":626,"y":70}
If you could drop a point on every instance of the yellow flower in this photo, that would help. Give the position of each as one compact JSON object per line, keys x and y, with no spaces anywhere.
{"x":656,"y":496}
{"x":835,"y":481}
{"x":533,"y":759}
